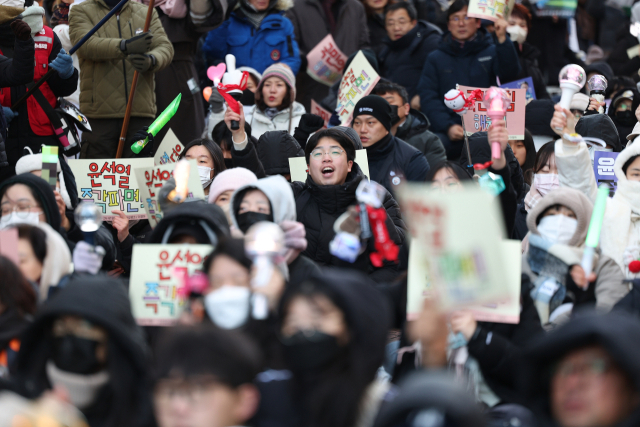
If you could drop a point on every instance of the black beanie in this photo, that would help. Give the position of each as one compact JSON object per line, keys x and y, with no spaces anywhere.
{"x":376,"y":106}
{"x":337,"y":136}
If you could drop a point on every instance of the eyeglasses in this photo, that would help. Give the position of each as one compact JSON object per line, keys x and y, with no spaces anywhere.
{"x":457,"y":19}
{"x":334,"y":152}
{"x":22,"y":210}
{"x":592,"y":368}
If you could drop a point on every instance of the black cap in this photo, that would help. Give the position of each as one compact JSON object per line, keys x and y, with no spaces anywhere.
{"x":376,"y":106}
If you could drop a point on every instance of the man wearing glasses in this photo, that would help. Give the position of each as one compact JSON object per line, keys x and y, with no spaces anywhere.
{"x":467,"y":55}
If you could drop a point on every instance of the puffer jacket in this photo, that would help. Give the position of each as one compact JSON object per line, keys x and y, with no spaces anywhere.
{"x":475,"y":63}
{"x":319,"y":206}
{"x":258,"y":48}
{"x":104,"y":87}
{"x":286,"y":119}
{"x":415,"y":132}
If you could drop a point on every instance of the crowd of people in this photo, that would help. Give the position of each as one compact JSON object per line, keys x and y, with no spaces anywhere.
{"x":316,"y":330}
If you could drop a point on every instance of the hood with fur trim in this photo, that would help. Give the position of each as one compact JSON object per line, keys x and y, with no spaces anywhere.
{"x":574,"y":200}
{"x":278,"y":191}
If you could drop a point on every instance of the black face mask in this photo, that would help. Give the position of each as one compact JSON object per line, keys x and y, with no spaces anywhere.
{"x":394,"y":115}
{"x":76,"y":355}
{"x":228,"y":163}
{"x":247,"y":219}
{"x":304,"y":352}
{"x":626,"y":118}
{"x":248,"y":98}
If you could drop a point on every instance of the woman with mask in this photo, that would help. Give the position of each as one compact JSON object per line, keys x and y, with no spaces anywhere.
{"x":271,"y":199}
{"x":44,"y":257}
{"x":333,"y":329}
{"x":86,"y":341}
{"x":275,"y":109}
{"x":209,"y":157}
{"x":558,"y":227}
{"x":622,"y":112}
{"x":225,"y":184}
{"x":518,"y":29}
{"x":28,"y":199}
{"x":17,"y":305}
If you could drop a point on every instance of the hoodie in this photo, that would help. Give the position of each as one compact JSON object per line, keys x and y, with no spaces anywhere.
{"x":600,"y":126}
{"x":617,"y":333}
{"x":57,"y":261}
{"x":125,"y":401}
{"x":274,"y":149}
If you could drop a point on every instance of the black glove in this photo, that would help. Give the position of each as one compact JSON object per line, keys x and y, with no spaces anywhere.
{"x":141,"y":62}
{"x":311,"y":123}
{"x":216,"y":101}
{"x":138,"y":44}
{"x":141,"y":134}
{"x":21,"y":29}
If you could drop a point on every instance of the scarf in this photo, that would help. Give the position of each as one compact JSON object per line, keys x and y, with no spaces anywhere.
{"x":60,"y":13}
{"x":271,"y":112}
{"x":254,"y":17}
{"x":176,"y":9}
{"x":532,"y":198}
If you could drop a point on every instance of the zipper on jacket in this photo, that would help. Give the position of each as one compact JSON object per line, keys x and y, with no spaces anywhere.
{"x":124,"y":66}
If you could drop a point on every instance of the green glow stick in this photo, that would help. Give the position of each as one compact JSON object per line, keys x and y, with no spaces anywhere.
{"x":158,"y":123}
{"x":595,"y":226}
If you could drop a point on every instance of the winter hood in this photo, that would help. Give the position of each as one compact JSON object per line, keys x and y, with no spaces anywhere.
{"x":278,"y":191}
{"x":599,"y":126}
{"x":205,"y":221}
{"x":274,"y":149}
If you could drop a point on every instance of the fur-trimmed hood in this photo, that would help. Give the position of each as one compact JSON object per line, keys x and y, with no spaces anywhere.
{"x":281,"y":5}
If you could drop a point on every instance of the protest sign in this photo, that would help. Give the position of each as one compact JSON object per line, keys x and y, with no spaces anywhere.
{"x":559,"y":8}
{"x":457,"y":248}
{"x":9,"y":244}
{"x":156,"y":277}
{"x":326,"y":61}
{"x":169,"y":149}
{"x":299,"y":170}
{"x":319,"y":111}
{"x":489,"y":9}
{"x":151,"y":179}
{"x":477,"y":120}
{"x":526,"y":84}
{"x":357,"y":82}
{"x":111,"y":184}
{"x":603,"y":162}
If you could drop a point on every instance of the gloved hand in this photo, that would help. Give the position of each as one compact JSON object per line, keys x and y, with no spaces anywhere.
{"x":141,"y":62}
{"x":21,"y":29}
{"x":138,"y":44}
{"x":33,"y":17}
{"x":87,"y":258}
{"x":141,"y":134}
{"x":311,"y":123}
{"x":63,"y":64}
{"x":216,"y":101}
{"x":9,"y":114}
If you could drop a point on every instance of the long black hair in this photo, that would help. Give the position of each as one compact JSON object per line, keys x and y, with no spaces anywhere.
{"x":530,"y":158}
{"x":214,"y":150}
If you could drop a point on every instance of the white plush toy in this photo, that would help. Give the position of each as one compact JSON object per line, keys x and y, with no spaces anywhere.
{"x":455,"y":100}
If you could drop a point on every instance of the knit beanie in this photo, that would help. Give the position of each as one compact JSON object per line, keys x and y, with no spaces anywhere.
{"x":352,"y":134}
{"x":282,"y":71}
{"x":338,"y":136}
{"x":376,"y":106}
{"x":230,"y":179}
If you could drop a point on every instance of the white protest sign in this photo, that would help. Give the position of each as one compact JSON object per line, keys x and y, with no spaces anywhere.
{"x":357,"y":82}
{"x":455,"y":236}
{"x":151,"y":180}
{"x":155,"y":280}
{"x":111,"y":184}
{"x":169,"y":149}
{"x":326,"y":61}
{"x":299,"y":170}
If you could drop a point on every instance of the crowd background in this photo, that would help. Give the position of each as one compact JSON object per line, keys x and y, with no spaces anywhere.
{"x":318,"y":335}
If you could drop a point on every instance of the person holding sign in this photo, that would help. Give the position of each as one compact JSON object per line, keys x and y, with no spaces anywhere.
{"x":467,"y":55}
{"x":258,"y":34}
{"x":391,"y":160}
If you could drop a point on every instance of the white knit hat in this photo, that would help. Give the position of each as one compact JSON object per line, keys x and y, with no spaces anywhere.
{"x":33,"y":162}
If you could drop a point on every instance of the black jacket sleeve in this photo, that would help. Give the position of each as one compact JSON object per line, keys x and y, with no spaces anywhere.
{"x":19,"y":70}
{"x":248,"y":158}
{"x":508,"y":199}
{"x":60,"y":86}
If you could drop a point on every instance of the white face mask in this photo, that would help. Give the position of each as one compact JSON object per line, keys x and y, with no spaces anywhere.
{"x":557,"y":228}
{"x":546,"y":182}
{"x":205,"y":176}
{"x":82,"y":389}
{"x":31,"y":218}
{"x":517,"y":33}
{"x":228,"y":306}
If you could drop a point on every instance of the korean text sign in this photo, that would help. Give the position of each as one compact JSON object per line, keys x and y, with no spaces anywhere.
{"x":357,"y":82}
{"x":326,"y":61}
{"x":169,"y":149}
{"x":319,"y":111}
{"x":456,"y":246}
{"x":151,"y":180}
{"x":489,"y":9}
{"x":156,"y":277}
{"x":477,"y":120}
{"x":111,"y":184}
